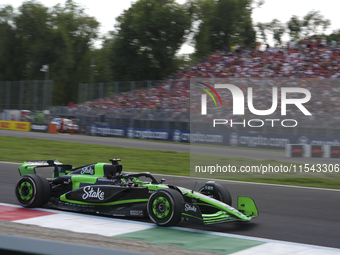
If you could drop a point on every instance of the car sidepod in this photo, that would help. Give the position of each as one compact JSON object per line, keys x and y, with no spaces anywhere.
{"x":107,"y":199}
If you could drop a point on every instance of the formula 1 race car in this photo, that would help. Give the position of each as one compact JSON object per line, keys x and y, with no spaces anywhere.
{"x":103,"y":188}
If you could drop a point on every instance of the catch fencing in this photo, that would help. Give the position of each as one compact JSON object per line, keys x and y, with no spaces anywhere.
{"x":92,"y":91}
{"x":26,"y":95}
{"x":177,"y":120}
{"x":166,"y":105}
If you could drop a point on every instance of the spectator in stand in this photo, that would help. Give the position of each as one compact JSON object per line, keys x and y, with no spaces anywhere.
{"x":70,"y":107}
{"x":308,"y":61}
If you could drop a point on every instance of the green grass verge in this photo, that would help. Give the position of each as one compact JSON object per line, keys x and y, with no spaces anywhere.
{"x":15,"y":149}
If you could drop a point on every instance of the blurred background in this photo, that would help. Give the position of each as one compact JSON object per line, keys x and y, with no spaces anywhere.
{"x":56,"y":61}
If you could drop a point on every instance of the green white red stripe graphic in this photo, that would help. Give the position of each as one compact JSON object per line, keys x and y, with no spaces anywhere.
{"x":185,"y":238}
{"x":208,"y":92}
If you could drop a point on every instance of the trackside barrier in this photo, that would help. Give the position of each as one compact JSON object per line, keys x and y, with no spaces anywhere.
{"x":294,"y":150}
{"x":15,"y":245}
{"x":235,"y":139}
{"x":15,"y":125}
{"x":39,"y":127}
{"x":313,"y":151}
{"x":331,"y":151}
{"x":52,"y":128}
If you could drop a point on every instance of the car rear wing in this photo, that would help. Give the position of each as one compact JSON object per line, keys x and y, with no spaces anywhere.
{"x":28,"y":167}
{"x":42,"y":163}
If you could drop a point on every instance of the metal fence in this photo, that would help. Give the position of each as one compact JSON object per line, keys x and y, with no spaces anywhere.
{"x":174,"y":114}
{"x":26,"y":95}
{"x":91,"y":91}
{"x":105,"y":105}
{"x":134,"y":118}
{"x":154,"y":119}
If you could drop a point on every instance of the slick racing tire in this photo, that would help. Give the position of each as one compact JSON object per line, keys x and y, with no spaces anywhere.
{"x":164,"y":207}
{"x":216,"y":191}
{"x":32,"y":190}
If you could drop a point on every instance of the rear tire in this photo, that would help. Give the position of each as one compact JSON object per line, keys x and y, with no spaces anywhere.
{"x":164,"y":207}
{"x":216,"y":191}
{"x":32,"y":190}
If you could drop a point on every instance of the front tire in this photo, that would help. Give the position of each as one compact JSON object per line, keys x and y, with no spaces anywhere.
{"x":164,"y":207}
{"x":216,"y":191}
{"x":32,"y":190}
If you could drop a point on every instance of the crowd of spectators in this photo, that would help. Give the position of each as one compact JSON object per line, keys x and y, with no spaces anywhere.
{"x":315,"y":63}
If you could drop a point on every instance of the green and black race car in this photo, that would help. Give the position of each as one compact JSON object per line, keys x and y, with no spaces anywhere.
{"x":103,"y":188}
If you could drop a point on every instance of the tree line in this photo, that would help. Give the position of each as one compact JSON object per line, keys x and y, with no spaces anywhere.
{"x":312,"y":24}
{"x":143,"y":44}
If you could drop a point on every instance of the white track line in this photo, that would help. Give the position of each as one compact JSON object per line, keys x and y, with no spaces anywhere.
{"x":108,"y":226}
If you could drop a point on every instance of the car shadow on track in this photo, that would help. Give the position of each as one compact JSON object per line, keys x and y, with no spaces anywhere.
{"x":230,"y":227}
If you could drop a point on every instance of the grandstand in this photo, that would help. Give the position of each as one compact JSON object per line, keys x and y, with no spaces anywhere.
{"x":166,"y":105}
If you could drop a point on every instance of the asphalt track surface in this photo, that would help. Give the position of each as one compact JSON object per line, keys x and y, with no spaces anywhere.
{"x":294,"y":214}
